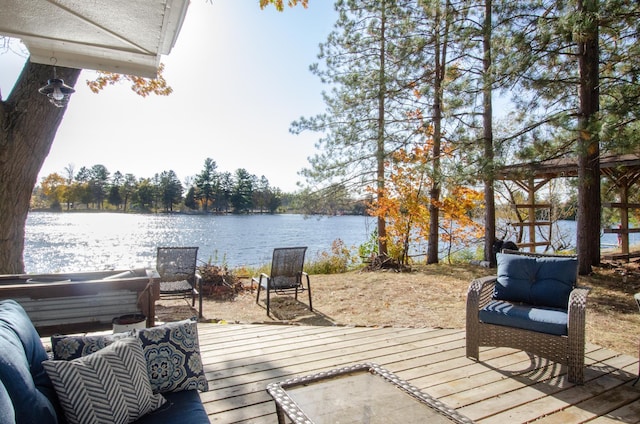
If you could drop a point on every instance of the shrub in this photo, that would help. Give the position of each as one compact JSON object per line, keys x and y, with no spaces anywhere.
{"x":339,"y":260}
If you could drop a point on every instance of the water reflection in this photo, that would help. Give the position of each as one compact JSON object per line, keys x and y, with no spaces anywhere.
{"x":69,"y":242}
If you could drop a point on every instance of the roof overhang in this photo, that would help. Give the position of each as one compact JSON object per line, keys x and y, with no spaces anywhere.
{"x":567,"y":167}
{"x":120,"y":36}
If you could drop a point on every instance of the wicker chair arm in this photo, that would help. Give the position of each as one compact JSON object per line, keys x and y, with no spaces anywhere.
{"x":577,"y":307}
{"x":480,"y":292}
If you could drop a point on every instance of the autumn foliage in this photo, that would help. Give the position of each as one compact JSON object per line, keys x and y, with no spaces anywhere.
{"x":279,"y":4}
{"x":141,"y":86}
{"x":405,"y":205}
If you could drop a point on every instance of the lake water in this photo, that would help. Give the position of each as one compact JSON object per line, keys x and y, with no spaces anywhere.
{"x":71,"y":242}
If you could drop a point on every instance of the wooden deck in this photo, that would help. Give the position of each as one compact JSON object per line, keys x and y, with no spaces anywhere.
{"x":506,"y":387}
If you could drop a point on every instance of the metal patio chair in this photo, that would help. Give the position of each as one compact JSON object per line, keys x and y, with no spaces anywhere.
{"x":178,"y":274}
{"x":286,"y":274}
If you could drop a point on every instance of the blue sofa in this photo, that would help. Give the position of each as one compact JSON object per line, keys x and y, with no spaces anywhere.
{"x":27,"y":394}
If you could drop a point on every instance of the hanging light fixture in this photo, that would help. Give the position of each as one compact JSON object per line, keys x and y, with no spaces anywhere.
{"x":56,"y":90}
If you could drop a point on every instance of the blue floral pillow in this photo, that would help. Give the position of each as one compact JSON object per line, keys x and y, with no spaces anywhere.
{"x":66,"y":348}
{"x":173,"y":357}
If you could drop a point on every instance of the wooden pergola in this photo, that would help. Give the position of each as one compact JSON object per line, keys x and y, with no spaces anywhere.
{"x":622,"y":170}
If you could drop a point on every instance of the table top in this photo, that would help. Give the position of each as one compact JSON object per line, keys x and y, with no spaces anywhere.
{"x":363,"y":393}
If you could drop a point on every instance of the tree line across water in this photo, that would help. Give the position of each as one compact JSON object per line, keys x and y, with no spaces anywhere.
{"x":209,"y":191}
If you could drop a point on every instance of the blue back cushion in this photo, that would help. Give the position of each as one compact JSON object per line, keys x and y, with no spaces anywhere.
{"x":540,"y":281}
{"x":21,"y":371}
{"x":7,"y":414}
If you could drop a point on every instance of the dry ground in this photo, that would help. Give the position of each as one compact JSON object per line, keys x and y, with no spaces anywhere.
{"x":433,"y":296}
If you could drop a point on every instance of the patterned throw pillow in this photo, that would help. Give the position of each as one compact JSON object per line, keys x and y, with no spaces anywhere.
{"x":109,"y":386}
{"x":173,"y":357}
{"x":72,"y":347}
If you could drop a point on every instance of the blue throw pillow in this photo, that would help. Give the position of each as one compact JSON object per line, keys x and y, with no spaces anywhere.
{"x":173,"y":357}
{"x":67,"y":348}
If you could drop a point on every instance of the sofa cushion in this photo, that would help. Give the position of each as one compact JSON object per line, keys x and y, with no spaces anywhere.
{"x":539,"y":281}
{"x":542,"y":320}
{"x":21,"y":372}
{"x":7,"y":413}
{"x":555,"y":279}
{"x":66,"y":348}
{"x":184,"y":406}
{"x":173,"y":357}
{"x":109,"y":386}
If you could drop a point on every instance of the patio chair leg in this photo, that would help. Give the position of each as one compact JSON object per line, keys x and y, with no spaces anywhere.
{"x":200,"y":300}
{"x":576,"y":374}
{"x":268,"y":300}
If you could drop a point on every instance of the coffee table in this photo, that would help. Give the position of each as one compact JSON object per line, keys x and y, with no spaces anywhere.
{"x":362,"y":393}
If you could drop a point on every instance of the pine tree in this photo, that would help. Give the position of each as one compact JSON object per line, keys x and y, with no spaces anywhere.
{"x":206,"y":181}
{"x":364,"y":62}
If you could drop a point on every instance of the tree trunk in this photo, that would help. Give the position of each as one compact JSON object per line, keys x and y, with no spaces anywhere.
{"x":440,"y":56}
{"x":588,"y":145}
{"x":28,"y":125}
{"x":434,"y":193}
{"x":487,"y":114}
{"x":380,"y":150}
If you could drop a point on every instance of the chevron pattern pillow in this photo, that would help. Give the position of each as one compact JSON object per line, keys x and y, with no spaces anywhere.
{"x":109,"y":386}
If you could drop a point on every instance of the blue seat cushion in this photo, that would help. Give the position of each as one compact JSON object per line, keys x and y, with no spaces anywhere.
{"x":21,"y":372}
{"x":184,"y":406}
{"x":542,"y":320}
{"x":538,"y":281}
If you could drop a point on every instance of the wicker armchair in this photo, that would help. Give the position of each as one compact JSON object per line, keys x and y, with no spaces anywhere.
{"x":567,"y":348}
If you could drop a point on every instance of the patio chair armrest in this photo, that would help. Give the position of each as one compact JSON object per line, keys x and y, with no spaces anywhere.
{"x":577,"y":308}
{"x":480,"y":292}
{"x":198,"y":281}
{"x":258,"y":279}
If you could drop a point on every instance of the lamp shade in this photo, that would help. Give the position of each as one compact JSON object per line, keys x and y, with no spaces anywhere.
{"x":57,"y":91}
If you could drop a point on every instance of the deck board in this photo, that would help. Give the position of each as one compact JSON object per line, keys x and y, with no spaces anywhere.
{"x":506,"y":386}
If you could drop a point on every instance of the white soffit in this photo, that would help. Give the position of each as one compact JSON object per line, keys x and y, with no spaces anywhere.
{"x":121,"y":36}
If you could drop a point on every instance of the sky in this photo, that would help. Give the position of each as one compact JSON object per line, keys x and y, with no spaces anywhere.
{"x":240,"y":76}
